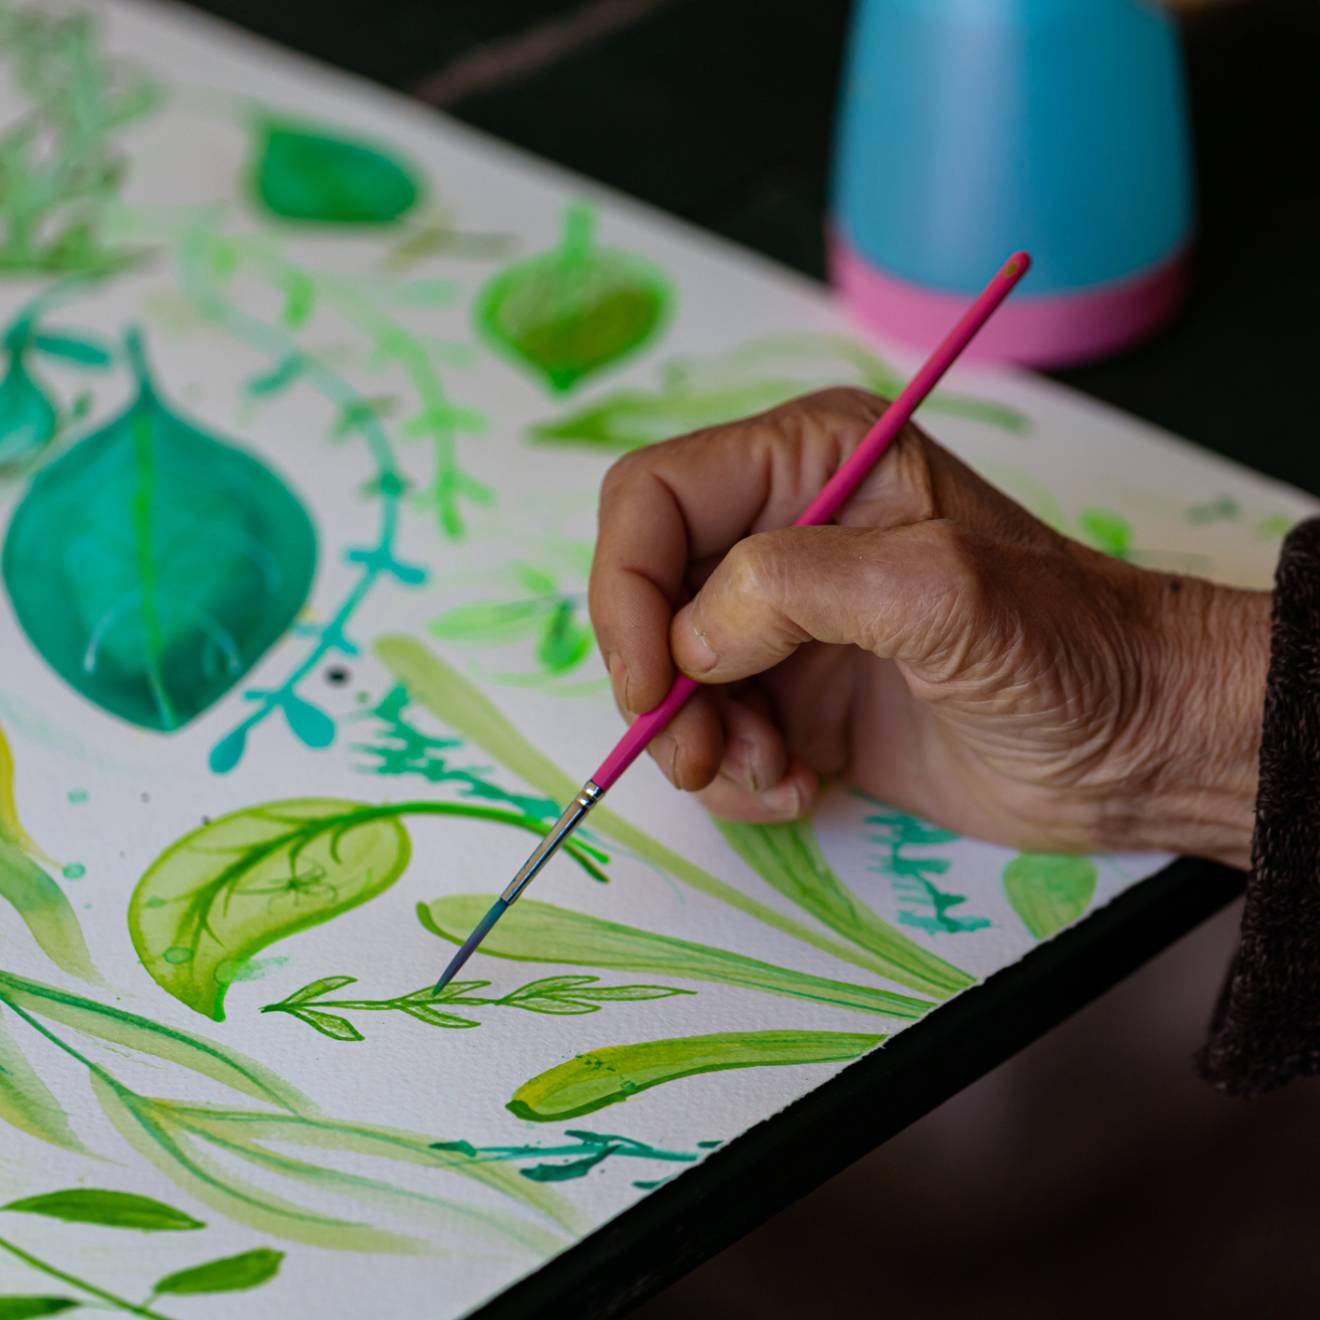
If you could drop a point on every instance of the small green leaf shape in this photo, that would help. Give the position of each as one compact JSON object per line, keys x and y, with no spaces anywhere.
{"x":243,"y":881}
{"x":311,"y":174}
{"x":27,"y":1103}
{"x":567,"y":314}
{"x":153,"y":564}
{"x":87,"y":1205}
{"x":532,"y":931}
{"x":44,"y":910}
{"x":28,"y":417}
{"x":618,"y":1072}
{"x":1049,"y":890}
{"x":28,"y":1308}
{"x":232,"y":1274}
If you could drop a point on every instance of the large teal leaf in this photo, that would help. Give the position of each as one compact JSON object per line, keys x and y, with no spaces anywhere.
{"x":153,"y":564}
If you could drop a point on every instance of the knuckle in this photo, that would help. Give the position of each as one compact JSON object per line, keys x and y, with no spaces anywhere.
{"x":752,"y":567}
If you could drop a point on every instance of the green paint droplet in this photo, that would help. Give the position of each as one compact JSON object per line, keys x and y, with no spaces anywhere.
{"x":74,"y":871}
{"x":568,"y":313}
{"x":176,"y":955}
{"x":152,"y":564}
{"x":78,"y":795}
{"x":304,"y":173}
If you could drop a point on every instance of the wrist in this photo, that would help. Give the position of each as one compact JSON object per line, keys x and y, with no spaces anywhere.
{"x":1199,"y":744}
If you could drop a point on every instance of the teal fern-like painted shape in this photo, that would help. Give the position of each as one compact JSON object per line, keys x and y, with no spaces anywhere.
{"x":153,"y":564}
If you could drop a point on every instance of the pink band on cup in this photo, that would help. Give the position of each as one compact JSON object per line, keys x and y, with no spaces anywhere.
{"x":1048,"y":330}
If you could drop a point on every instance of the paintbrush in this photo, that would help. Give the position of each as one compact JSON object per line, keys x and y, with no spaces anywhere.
{"x":830,"y":500}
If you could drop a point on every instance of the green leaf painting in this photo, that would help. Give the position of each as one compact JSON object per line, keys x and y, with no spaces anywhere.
{"x":232,"y":1274}
{"x":28,"y":1308}
{"x":26,"y":1102}
{"x":562,"y":996}
{"x":153,"y":564}
{"x":307,"y":173}
{"x":567,"y":314}
{"x":46,"y":912}
{"x":28,"y":415}
{"x":531,"y":931}
{"x":618,"y":1072}
{"x":1049,"y":891}
{"x":789,"y":859}
{"x":243,"y":881}
{"x":85,"y":1205}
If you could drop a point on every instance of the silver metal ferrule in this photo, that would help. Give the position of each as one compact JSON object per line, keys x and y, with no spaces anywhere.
{"x":588,"y":795}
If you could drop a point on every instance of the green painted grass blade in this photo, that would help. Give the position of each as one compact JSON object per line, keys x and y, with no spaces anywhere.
{"x":789,"y":859}
{"x":614,"y":1073}
{"x":539,"y":932}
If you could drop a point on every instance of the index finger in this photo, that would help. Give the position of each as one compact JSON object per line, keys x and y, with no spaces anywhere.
{"x":664,"y":507}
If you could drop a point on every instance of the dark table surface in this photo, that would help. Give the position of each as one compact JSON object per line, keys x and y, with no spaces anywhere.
{"x":721,"y":111}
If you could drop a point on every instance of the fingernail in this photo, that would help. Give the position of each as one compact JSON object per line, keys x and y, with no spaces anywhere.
{"x":740,"y":764}
{"x":701,"y":655}
{"x":784,"y":799}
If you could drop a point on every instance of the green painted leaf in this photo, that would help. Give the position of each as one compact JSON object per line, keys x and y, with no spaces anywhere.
{"x":632,"y":419}
{"x":326,"y":985}
{"x":86,"y":1205}
{"x":536,"y":580}
{"x":29,"y":419}
{"x":152,"y":564}
{"x":303,"y":172}
{"x":462,"y":707}
{"x":1107,"y":531}
{"x":618,"y":1072}
{"x":27,"y":1308}
{"x":45,"y":911}
{"x":488,"y":622}
{"x":433,"y":1017}
{"x":1049,"y":891}
{"x":789,"y":859}
{"x":329,"y":1024}
{"x":127,"y":1031}
{"x":81,"y":349}
{"x":626,"y":993}
{"x":232,"y":1274}
{"x":564,"y":642}
{"x":568,"y":313}
{"x":531,"y":931}
{"x":27,"y":1103}
{"x":243,"y":881}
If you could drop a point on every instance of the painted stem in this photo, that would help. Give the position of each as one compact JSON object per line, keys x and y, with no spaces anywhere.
{"x":110,"y":1299}
{"x":375,"y":562}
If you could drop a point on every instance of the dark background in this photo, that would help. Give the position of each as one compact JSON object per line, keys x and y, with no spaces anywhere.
{"x":1092,"y":1174}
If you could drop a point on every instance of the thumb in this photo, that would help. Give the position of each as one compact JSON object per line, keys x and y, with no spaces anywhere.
{"x":889,"y":592}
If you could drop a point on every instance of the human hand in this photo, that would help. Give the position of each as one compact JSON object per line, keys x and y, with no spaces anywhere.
{"x":939,"y":647}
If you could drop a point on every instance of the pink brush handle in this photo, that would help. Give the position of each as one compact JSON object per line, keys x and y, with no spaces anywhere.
{"x":837,"y":490}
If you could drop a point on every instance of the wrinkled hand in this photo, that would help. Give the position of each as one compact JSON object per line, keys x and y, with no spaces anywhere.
{"x":939,"y":647}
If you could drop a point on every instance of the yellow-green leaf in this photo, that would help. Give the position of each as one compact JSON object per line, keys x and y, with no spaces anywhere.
{"x":232,"y":1274}
{"x":617,"y":1072}
{"x":1049,"y":891}
{"x":241,"y":882}
{"x":88,"y":1205}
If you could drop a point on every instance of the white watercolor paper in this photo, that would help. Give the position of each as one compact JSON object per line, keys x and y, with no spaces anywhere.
{"x":282,"y":1130}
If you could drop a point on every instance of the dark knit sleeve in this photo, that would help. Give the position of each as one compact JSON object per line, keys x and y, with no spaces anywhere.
{"x":1266,"y":1029}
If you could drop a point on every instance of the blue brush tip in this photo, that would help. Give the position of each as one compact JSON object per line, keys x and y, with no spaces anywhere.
{"x":469,"y":945}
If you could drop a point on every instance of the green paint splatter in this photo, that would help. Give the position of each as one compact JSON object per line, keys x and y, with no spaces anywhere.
{"x":618,"y":1072}
{"x":74,"y":871}
{"x":77,"y":796}
{"x":1049,"y":891}
{"x":1274,"y":525}
{"x":305,"y":173}
{"x":153,"y":564}
{"x":567,"y":314}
